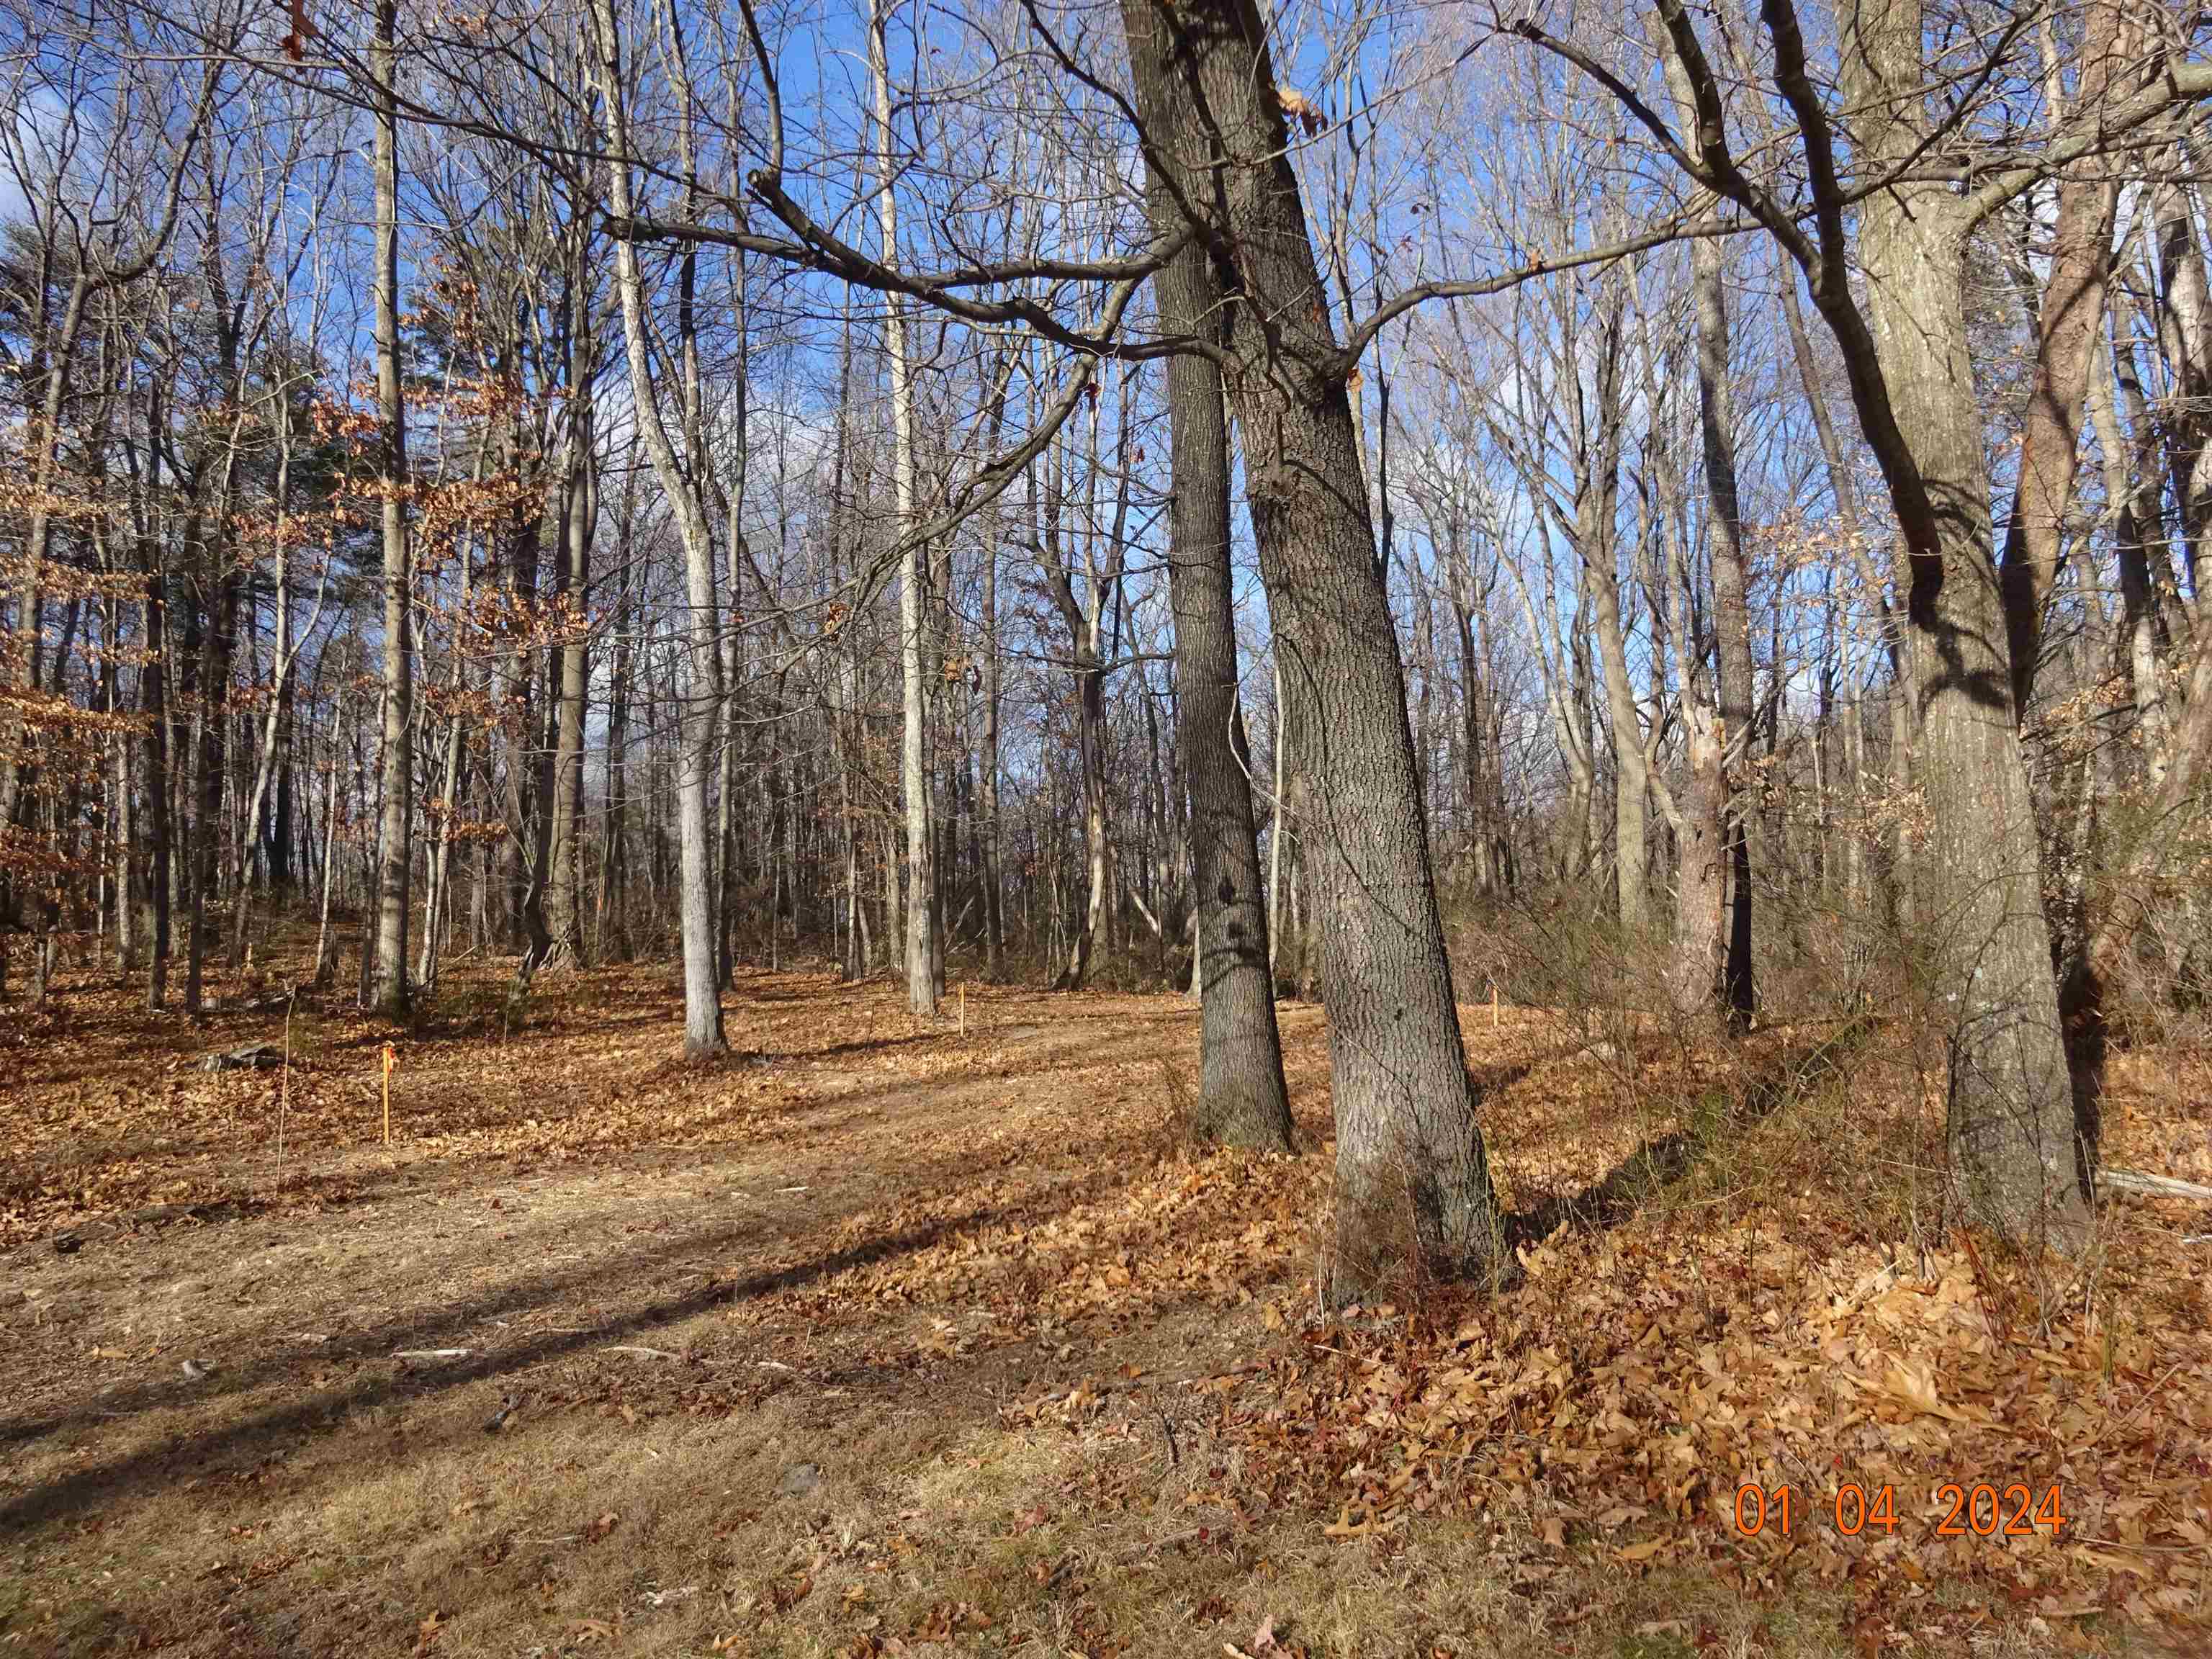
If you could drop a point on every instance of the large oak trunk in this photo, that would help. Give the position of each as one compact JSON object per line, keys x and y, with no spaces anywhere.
{"x":1978,"y":900}
{"x":1413,"y":1194}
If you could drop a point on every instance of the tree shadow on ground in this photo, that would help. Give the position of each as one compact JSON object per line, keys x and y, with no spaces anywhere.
{"x":516,"y":1294}
{"x":1661,"y":1161}
{"x":86,"y":1489}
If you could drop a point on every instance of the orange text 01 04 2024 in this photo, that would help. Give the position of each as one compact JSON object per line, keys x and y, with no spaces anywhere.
{"x":1981,"y":1510}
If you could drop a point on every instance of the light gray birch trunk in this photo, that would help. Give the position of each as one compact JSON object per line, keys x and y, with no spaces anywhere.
{"x":701,"y":693}
{"x":914,"y":746}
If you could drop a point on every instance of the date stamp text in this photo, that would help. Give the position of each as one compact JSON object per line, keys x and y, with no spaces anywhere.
{"x":1976,"y":1511}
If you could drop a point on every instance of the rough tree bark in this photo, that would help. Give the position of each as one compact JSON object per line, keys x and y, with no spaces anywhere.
{"x":2066,"y":331}
{"x":1242,"y":1096}
{"x":2014,"y":1159}
{"x":1413,"y":1195}
{"x":1731,"y":604}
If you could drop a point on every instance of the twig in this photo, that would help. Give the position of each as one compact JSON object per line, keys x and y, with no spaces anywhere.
{"x":2145,"y":1549}
{"x":2142,"y":1404}
{"x":1981,"y":1289}
{"x":431,"y":1353}
{"x":650,"y":1353}
{"x":1157,"y":1544}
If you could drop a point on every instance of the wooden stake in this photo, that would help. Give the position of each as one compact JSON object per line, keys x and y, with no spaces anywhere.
{"x":1494,"y":1005}
{"x":963,"y":1011}
{"x":387,"y":1093}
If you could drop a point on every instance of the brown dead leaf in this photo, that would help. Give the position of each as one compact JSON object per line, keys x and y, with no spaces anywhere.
{"x":1915,"y":1386}
{"x":1299,"y":111}
{"x":782,"y":1597}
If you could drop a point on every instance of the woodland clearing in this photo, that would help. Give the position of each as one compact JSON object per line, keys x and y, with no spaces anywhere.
{"x":875,"y":1338}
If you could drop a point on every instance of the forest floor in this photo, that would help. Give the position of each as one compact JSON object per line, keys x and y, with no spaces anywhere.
{"x":872,"y":1340}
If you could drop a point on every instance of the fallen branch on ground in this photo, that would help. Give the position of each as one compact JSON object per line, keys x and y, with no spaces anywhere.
{"x":2135,"y":1181}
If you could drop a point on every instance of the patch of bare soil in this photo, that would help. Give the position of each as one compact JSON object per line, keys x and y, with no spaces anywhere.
{"x":873,"y":1339}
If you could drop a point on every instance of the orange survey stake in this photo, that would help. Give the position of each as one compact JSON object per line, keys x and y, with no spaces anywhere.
{"x":1982,"y":1510}
{"x":391,"y":1059}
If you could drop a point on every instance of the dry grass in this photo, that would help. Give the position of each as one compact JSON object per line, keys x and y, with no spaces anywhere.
{"x":972,"y":1287}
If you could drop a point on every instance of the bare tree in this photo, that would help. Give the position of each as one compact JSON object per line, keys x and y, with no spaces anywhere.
{"x":1243,"y":1099}
{"x":1414,"y":1191}
{"x":702,"y":694}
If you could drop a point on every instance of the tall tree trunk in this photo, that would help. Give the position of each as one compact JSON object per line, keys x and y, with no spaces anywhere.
{"x":1243,"y":1099}
{"x":437,"y":899}
{"x":1586,"y":797}
{"x":2184,"y":332}
{"x":52,"y":360}
{"x":125,"y":861}
{"x":894,"y":930}
{"x":1085,"y":620}
{"x":1731,"y":614}
{"x":395,"y":839}
{"x":1097,"y":855}
{"x":1412,"y":1188}
{"x":1731,"y":607}
{"x":522,"y":915}
{"x":212,"y":719}
{"x":326,"y":948}
{"x":993,"y":877}
{"x":153,"y":706}
{"x":2018,"y":1163}
{"x":283,"y":655}
{"x":283,"y":826}
{"x":1597,"y":495}
{"x":564,"y":899}
{"x":614,"y":859}
{"x":701,"y":696}
{"x":2066,"y":331}
{"x":1278,"y":818}
{"x":2139,"y":617}
{"x":914,"y":747}
{"x":737,"y":555}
